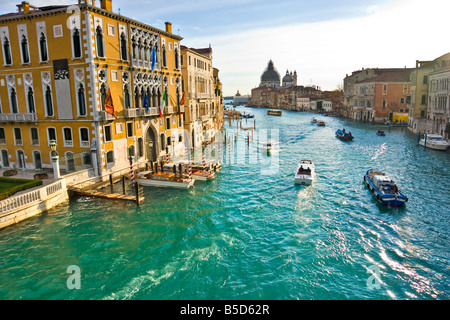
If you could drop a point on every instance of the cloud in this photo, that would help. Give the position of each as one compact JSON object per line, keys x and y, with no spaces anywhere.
{"x":395,"y":35}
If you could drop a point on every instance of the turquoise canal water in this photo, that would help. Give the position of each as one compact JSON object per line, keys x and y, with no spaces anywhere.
{"x":250,"y":234}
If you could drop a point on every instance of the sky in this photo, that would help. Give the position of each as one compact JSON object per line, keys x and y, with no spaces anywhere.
{"x":323,"y":40}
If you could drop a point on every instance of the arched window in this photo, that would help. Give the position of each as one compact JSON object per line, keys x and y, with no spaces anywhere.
{"x":164,"y":56}
{"x":30,"y":99}
{"x":103,"y":95}
{"x":143,"y":96}
{"x":99,"y":40}
{"x":13,"y":98}
{"x":81,"y":101}
{"x":43,"y":47}
{"x":136,"y":98}
{"x":133,"y":47}
{"x":7,"y":51}
{"x":176,"y":59}
{"x":76,"y":43}
{"x":126,"y":97}
{"x":24,"y":46}
{"x":123,"y":47}
{"x":154,"y":98}
{"x":131,"y":151}
{"x":48,"y":101}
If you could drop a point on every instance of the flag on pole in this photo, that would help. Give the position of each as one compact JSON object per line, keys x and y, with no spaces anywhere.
{"x":109,"y":105}
{"x":180,"y":104}
{"x":146,"y":106}
{"x":153,"y":56}
{"x":163,"y":102}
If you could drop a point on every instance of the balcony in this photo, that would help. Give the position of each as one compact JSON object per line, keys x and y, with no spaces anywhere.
{"x":105,"y":116}
{"x":150,"y":112}
{"x":132,"y":113}
{"x":18,"y":117}
{"x":168,"y":109}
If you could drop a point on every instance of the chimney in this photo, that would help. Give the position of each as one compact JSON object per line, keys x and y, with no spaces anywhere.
{"x":106,"y":4}
{"x":168,"y":27}
{"x":24,"y":7}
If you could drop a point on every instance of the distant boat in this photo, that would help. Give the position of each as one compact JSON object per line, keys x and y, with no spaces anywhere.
{"x":305,"y":173}
{"x":434,"y":141}
{"x":380,"y":133}
{"x":313,"y":120}
{"x":248,"y":116}
{"x":273,"y":112}
{"x":384,"y":189}
{"x":321,"y":123}
{"x":344,"y":136}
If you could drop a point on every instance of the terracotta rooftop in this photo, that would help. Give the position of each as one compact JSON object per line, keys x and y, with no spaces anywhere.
{"x":390,"y":75}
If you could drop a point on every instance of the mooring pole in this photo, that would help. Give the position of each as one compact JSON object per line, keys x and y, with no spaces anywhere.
{"x":136,"y":189}
{"x":111,"y":183}
{"x":124,"y":185}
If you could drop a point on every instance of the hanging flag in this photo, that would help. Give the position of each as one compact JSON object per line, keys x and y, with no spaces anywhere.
{"x":146,"y":106}
{"x":182,"y":100}
{"x":180,"y":104}
{"x":109,"y":105}
{"x":163,"y":102}
{"x":153,"y":56}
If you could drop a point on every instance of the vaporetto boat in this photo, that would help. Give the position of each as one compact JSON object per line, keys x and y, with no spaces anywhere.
{"x":384,"y":189}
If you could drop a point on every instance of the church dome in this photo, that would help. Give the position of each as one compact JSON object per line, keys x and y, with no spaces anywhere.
{"x":287,"y":77}
{"x":270,"y":74}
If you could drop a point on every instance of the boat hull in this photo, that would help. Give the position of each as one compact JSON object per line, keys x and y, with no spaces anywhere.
{"x":433,"y":146}
{"x":390,"y":200}
{"x":306,"y":181}
{"x":166,"y":184}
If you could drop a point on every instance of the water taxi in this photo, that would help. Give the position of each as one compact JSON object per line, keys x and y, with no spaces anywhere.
{"x":313,"y":120}
{"x":164,"y":180}
{"x":434,"y":141}
{"x":272,"y":112}
{"x":305,"y":173}
{"x":384,"y":189}
{"x":321,"y":123}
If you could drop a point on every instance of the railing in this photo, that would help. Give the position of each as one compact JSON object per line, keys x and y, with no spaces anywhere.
{"x":105,"y":116}
{"x":18,"y":117}
{"x":132,"y":113}
{"x":168,"y":109}
{"x":150,"y":112}
{"x":41,"y":194}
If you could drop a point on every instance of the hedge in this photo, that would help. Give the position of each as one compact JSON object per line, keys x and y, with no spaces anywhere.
{"x":6,"y":190}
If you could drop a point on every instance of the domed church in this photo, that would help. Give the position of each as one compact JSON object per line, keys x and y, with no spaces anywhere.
{"x":290,"y":79}
{"x":270,"y":77}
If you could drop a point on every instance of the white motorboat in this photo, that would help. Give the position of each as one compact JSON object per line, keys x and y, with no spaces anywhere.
{"x":164,"y":180}
{"x":305,"y":173}
{"x":434,"y":141}
{"x":313,"y":120}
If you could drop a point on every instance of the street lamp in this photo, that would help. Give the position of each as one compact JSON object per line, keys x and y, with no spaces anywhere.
{"x":55,"y":159}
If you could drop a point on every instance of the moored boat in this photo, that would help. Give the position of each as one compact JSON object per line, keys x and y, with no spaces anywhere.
{"x":305,"y":173}
{"x":164,"y":180}
{"x":272,"y":112}
{"x":384,"y":189}
{"x":434,"y":141}
{"x":344,"y":136}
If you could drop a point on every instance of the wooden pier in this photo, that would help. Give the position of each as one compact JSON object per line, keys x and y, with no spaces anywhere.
{"x":111,"y":196}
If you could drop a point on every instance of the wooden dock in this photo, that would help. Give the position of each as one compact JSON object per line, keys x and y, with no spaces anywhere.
{"x":111,"y":196}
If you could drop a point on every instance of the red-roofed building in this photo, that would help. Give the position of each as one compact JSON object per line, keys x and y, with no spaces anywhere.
{"x":377,"y":94}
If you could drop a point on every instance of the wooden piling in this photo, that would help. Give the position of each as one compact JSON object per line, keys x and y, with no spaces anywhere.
{"x":124,"y":185}
{"x":111,"y":183}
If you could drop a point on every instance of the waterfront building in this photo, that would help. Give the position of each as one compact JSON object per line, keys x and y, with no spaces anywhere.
{"x":419,"y":118}
{"x":93,"y":81}
{"x":239,"y":99}
{"x":203,"y":107}
{"x":439,"y":99}
{"x":376,"y":94}
{"x":288,"y":95}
